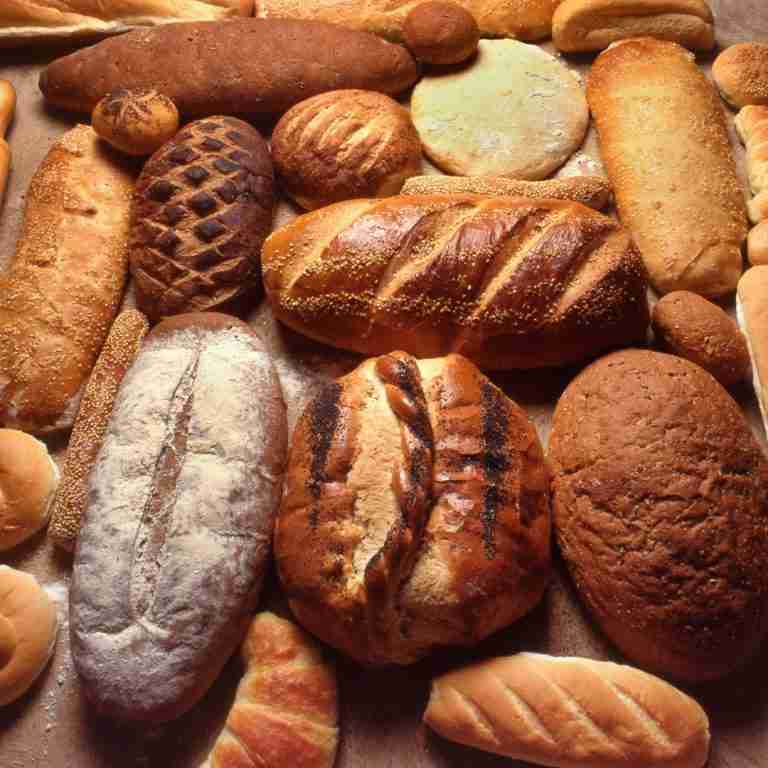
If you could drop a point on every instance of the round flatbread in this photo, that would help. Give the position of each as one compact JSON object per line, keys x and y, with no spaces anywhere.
{"x":515,"y":111}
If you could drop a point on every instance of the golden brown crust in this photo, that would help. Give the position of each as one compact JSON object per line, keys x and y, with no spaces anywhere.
{"x":741,"y":74}
{"x":440,"y":32}
{"x":752,"y":313}
{"x":757,"y":244}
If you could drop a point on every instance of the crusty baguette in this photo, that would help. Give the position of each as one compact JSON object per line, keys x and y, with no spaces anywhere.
{"x":592,"y":191}
{"x":523,"y":19}
{"x":752,"y":314}
{"x":285,"y":711}
{"x":591,"y":25}
{"x":665,"y":145}
{"x":65,"y":283}
{"x":569,"y":713}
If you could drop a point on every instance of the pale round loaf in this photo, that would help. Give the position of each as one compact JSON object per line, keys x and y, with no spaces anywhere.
{"x":28,"y":481}
{"x":345,"y":144}
{"x":441,"y":33}
{"x":514,"y":111}
{"x":741,"y":74}
{"x":137,"y":122}
{"x":28,"y":626}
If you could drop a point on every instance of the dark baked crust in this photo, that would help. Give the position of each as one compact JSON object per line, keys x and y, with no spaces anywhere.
{"x":201,"y":209}
{"x":661,"y":512}
{"x":441,"y":32}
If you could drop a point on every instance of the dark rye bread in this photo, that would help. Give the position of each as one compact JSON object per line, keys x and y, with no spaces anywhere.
{"x":177,"y":531}
{"x":661,"y":512}
{"x":507,"y":282}
{"x":242,"y":67}
{"x":415,"y":512}
{"x":201,"y":209}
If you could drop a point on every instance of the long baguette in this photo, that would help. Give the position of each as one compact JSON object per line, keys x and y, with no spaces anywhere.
{"x":752,"y":314}
{"x":569,"y":713}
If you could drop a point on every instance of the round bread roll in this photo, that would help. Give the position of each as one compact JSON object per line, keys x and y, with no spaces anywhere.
{"x":660,"y":493}
{"x":757,"y":244}
{"x":516,"y":111}
{"x":28,"y":481}
{"x":137,"y":122}
{"x":28,"y":627}
{"x":345,"y":144}
{"x":741,"y":74}
{"x":441,"y":33}
{"x":415,"y":512}
{"x":689,"y":326}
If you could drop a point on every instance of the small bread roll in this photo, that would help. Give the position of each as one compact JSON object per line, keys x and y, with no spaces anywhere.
{"x":741,"y":74}
{"x":136,"y":122}
{"x":757,"y":244}
{"x":441,"y":33}
{"x":757,"y":207}
{"x":28,"y":626}
{"x":28,"y":481}
{"x":689,"y":326}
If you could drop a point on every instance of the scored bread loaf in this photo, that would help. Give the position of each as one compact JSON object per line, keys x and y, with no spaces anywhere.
{"x":509,"y":283}
{"x":569,"y":713}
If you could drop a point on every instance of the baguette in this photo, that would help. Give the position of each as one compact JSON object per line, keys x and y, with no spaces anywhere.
{"x":675,"y":180}
{"x":591,"y":25}
{"x":569,"y":713}
{"x":246,"y":66}
{"x":752,"y":314}
{"x":65,"y":283}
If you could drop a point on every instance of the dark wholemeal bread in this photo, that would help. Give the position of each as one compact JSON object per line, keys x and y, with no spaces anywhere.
{"x":660,"y":496}
{"x":507,"y":282}
{"x":415,"y":512}
{"x":177,"y":532}
{"x":202,"y":207}
{"x":242,"y":67}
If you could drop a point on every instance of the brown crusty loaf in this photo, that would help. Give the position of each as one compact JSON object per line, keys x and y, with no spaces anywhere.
{"x":415,"y":512}
{"x":439,"y":32}
{"x":65,"y":283}
{"x":741,"y":74}
{"x":286,"y":706}
{"x":569,"y":713}
{"x":752,"y":313}
{"x":675,"y":180}
{"x":660,"y":502}
{"x":592,"y":191}
{"x":344,"y":144}
{"x":201,"y":210}
{"x":591,"y":25}
{"x":119,"y":351}
{"x":247,"y":66}
{"x":177,"y":532}
{"x":509,"y":283}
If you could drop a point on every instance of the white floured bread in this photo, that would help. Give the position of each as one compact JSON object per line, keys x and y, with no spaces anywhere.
{"x":752,"y":314}
{"x":516,"y":111}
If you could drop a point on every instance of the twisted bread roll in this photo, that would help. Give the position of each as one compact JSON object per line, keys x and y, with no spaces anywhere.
{"x":570,"y":713}
{"x":285,"y":712}
{"x":752,"y":127}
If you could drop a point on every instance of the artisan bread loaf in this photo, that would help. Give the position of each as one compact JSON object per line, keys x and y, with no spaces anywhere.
{"x":247,"y":66}
{"x":177,"y":532}
{"x":591,"y":25}
{"x":65,"y":283}
{"x":752,"y":312}
{"x":415,"y":512}
{"x":660,"y":499}
{"x":741,"y":74}
{"x":201,"y":210}
{"x":509,"y":283}
{"x":569,"y":713}
{"x":285,"y":706}
{"x":675,"y":179}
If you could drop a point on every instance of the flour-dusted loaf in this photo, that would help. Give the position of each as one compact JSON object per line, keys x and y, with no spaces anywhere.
{"x":660,"y":496}
{"x":665,"y":146}
{"x":415,"y":512}
{"x":64,"y":285}
{"x":569,"y":713}
{"x":243,"y":67}
{"x":202,"y":208}
{"x":509,"y":283}
{"x":177,"y":532}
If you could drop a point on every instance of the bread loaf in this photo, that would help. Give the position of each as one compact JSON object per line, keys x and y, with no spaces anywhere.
{"x":569,"y":713}
{"x":675,"y":180}
{"x":741,"y":74}
{"x":177,"y":531}
{"x":752,"y":127}
{"x":415,"y":512}
{"x":509,"y":283}
{"x":752,"y":312}
{"x":591,"y":25}
{"x":202,"y":208}
{"x":440,"y":32}
{"x":660,"y":496}
{"x":65,"y":282}
{"x":285,"y":707}
{"x":248,"y":66}
{"x":757,"y":244}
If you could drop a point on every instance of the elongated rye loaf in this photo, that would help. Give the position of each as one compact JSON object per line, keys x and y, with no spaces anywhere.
{"x":248,"y":66}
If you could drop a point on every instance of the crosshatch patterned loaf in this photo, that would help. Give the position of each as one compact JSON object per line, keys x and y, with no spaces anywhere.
{"x":202,"y":208}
